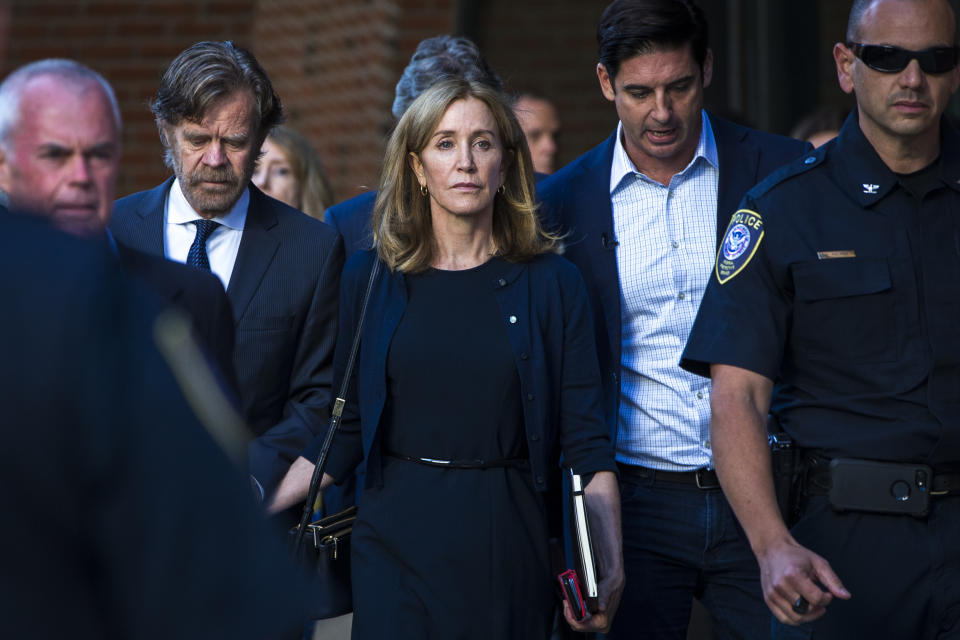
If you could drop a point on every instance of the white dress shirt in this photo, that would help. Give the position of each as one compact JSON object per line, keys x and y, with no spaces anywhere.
{"x":667,"y":240}
{"x":222,"y":245}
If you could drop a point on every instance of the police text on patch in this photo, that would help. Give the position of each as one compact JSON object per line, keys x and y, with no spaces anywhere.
{"x":740,"y":242}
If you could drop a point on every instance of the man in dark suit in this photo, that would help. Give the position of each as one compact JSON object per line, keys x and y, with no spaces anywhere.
{"x":59,"y":157}
{"x":122,"y":517}
{"x":280,"y":267}
{"x":643,"y":213}
{"x":435,"y":59}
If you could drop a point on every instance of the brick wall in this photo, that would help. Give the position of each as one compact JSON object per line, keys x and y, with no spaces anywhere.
{"x":334,"y":62}
{"x":130,"y":43}
{"x":833,"y":27}
{"x":335,"y":65}
{"x":550,"y":48}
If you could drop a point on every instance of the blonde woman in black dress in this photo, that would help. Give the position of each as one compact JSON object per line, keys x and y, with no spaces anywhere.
{"x":477,"y":370}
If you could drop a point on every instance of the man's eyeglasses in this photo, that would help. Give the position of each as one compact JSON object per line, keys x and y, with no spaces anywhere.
{"x":888,"y":59}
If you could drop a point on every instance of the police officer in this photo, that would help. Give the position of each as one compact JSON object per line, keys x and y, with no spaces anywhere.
{"x":837,"y":292}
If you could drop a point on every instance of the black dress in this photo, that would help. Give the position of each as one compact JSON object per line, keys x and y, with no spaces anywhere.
{"x":452,"y":553}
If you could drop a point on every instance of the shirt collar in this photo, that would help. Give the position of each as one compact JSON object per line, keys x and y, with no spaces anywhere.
{"x":179,"y":210}
{"x":864,"y":175}
{"x":623,"y":166}
{"x":868,"y":179}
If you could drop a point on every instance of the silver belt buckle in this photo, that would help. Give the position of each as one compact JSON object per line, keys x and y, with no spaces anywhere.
{"x":700,"y":484}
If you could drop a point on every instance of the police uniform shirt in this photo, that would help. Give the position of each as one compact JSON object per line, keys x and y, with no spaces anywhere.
{"x":843,"y":286}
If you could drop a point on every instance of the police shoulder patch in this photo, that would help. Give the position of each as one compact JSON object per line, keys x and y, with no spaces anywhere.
{"x":740,"y":243}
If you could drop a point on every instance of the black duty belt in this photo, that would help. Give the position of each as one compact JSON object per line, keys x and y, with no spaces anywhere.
{"x":461,"y":464}
{"x":700,"y":478}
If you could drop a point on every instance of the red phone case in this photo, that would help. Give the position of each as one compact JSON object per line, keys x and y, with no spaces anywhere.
{"x":570,"y":585}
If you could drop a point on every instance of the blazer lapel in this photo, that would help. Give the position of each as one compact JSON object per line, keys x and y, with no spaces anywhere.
{"x":257,"y":249}
{"x":738,"y":160}
{"x":595,"y":230}
{"x":146,"y":234}
{"x":389,"y":300}
{"x":393,"y":291}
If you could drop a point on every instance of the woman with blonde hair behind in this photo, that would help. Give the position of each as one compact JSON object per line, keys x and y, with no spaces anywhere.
{"x":477,"y":369}
{"x":290,"y":170}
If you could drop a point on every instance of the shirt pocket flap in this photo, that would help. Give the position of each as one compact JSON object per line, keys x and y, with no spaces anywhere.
{"x":840,"y":278}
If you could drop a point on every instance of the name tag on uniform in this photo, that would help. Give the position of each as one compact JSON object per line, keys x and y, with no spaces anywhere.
{"x":830,"y":255}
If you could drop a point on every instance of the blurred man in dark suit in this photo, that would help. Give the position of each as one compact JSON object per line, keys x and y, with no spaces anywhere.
{"x":122,"y":518}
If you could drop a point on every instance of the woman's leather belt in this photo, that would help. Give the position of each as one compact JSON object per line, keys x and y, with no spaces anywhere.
{"x":461,"y":464}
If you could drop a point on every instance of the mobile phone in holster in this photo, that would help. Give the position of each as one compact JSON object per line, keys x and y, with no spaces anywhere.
{"x":879,"y":487}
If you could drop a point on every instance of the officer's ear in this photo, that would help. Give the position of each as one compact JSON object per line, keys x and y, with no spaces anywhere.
{"x":844,"y":58}
{"x":954,"y":79}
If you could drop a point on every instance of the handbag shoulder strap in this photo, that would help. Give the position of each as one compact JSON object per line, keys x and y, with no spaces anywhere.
{"x":337,"y":412}
{"x":354,"y":348}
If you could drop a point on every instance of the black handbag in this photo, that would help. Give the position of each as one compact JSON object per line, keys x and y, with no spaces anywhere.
{"x":324,"y":545}
{"x":325,"y":550}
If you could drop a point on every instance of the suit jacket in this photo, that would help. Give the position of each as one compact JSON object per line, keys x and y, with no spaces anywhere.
{"x":351,"y":219}
{"x":283,"y":291}
{"x":119,"y":505}
{"x":545,"y":316}
{"x":576,"y":201}
{"x":199,"y":294}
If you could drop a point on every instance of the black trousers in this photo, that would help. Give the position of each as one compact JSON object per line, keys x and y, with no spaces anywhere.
{"x":903,"y":573}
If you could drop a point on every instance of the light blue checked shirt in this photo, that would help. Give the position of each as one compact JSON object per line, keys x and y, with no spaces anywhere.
{"x":667,"y":241}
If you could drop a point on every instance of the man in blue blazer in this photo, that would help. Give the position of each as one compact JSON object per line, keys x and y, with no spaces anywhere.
{"x":642,"y":215}
{"x":280,"y":267}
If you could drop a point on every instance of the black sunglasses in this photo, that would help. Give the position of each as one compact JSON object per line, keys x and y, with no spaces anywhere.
{"x":888,"y":59}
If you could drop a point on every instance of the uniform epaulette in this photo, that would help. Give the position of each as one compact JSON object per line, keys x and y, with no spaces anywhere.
{"x":803,"y":164}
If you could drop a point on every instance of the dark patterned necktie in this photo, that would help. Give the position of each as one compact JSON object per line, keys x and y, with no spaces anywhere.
{"x":197,"y":257}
